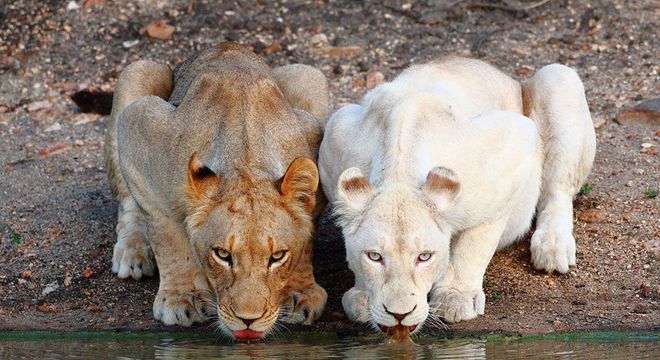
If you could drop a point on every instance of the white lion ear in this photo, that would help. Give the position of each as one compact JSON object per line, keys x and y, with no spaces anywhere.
{"x":441,"y":187}
{"x":354,"y":191}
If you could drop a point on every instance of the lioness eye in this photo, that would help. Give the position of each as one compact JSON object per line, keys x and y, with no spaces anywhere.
{"x":425,"y":256}
{"x":277,"y":257}
{"x":374,"y":256}
{"x":222,"y":255}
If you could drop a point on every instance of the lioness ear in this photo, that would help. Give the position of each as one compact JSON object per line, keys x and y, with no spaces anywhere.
{"x":300,"y":183}
{"x":441,"y":187}
{"x":202,"y":181}
{"x":354,"y":191}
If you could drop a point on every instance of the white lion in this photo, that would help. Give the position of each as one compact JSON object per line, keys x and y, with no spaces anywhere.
{"x":438,"y":169}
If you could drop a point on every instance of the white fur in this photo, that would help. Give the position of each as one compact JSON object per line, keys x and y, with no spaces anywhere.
{"x":456,"y":121}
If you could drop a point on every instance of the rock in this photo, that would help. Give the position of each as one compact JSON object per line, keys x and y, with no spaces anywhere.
{"x":54,"y":148}
{"x":160,"y":30}
{"x":130,"y":43}
{"x":72,"y":5}
{"x":88,"y":4}
{"x":318,"y":39}
{"x":22,"y":281}
{"x":273,"y":47}
{"x":67,"y":281}
{"x":592,"y":215}
{"x":83,"y":118}
{"x":50,"y":288}
{"x":432,"y":17}
{"x":88,"y":272}
{"x":646,"y":113}
{"x":645,"y":290}
{"x":598,"y":122}
{"x":341,"y":51}
{"x":47,"y":308}
{"x":374,"y":78}
{"x":38,"y":105}
{"x":54,"y":127}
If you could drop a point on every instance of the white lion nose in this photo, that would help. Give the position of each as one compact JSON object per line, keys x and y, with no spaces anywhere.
{"x":399,"y":316}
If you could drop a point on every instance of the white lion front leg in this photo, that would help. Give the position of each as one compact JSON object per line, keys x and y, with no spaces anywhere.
{"x":132,"y":255}
{"x":183,"y":291}
{"x":554,"y":98}
{"x":459,"y":295}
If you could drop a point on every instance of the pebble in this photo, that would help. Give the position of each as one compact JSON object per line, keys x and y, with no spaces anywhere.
{"x":318,"y":39}
{"x":341,"y":51}
{"x":592,"y":215}
{"x":159,"y":30}
{"x":130,"y":43}
{"x":374,"y":78}
{"x":38,"y":105}
{"x":646,"y":113}
{"x":54,"y":127}
{"x":50,"y":288}
{"x":72,"y":5}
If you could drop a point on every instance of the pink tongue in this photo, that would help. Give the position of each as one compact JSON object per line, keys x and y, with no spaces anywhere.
{"x":247,"y":334}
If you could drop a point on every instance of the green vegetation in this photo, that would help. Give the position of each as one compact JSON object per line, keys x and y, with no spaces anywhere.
{"x":651,"y":192}
{"x":14,"y":238}
{"x":586,"y":189}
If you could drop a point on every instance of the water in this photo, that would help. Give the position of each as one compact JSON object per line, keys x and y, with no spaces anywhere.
{"x":183,"y":346}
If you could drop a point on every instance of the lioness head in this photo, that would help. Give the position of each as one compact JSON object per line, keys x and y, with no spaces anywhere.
{"x":248,"y":236}
{"x":396,"y":244}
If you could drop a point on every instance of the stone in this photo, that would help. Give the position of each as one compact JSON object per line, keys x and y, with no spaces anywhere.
{"x":374,"y":78}
{"x":646,"y":113}
{"x":341,"y":51}
{"x":159,"y":30}
{"x":592,"y":215}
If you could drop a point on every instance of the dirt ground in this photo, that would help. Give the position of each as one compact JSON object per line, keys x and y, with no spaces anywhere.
{"x":57,"y":216}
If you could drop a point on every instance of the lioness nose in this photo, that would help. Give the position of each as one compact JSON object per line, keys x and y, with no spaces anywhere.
{"x":398,"y":316}
{"x":248,"y":322}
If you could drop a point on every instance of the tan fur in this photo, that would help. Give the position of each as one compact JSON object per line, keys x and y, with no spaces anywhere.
{"x":226,"y":164}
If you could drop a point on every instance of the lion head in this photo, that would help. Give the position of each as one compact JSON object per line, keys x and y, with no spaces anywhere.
{"x":396,"y":244}
{"x":248,"y":235}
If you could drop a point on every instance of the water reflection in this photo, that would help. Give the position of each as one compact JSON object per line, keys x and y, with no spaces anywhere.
{"x":330,"y":347}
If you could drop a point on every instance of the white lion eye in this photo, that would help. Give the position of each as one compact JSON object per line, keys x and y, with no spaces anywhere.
{"x":374,"y":256}
{"x":425,"y":256}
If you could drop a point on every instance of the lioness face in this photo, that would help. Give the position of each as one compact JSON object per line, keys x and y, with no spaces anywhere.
{"x":395,"y":245}
{"x":248,"y":243}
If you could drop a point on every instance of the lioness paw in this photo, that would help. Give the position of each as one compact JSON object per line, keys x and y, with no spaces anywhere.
{"x":552,"y":250}
{"x":132,"y":257}
{"x":305,"y":307}
{"x":454,"y":306}
{"x":356,"y":305}
{"x":180,"y":307}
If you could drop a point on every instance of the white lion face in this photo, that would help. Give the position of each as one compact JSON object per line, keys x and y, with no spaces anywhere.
{"x":395,"y":244}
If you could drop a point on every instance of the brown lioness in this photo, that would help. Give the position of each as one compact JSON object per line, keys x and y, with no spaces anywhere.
{"x":219,"y":183}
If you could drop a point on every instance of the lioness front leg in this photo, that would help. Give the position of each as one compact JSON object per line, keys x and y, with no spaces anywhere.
{"x":132,"y":255}
{"x":459,"y":294}
{"x":554,"y":98}
{"x":302,"y":298}
{"x":183,"y":290}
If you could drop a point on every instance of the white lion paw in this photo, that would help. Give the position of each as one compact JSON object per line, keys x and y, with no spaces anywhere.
{"x":132,"y":257}
{"x":305,"y":307}
{"x":552,"y":250}
{"x":356,"y":305}
{"x":180,"y":307}
{"x":454,"y":306}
